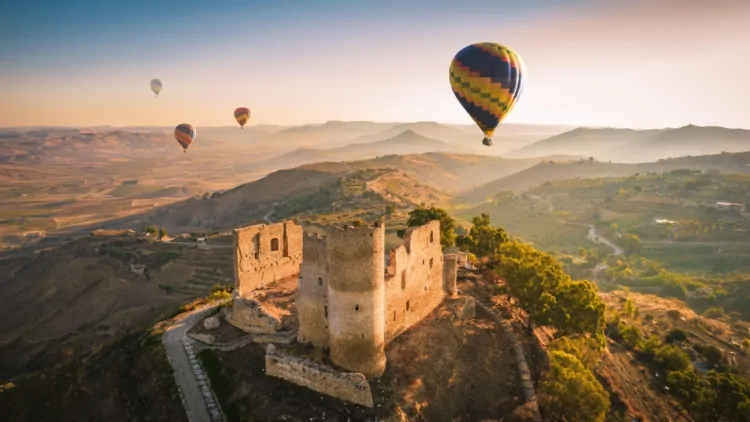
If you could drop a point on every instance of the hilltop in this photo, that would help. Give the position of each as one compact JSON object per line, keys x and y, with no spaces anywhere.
{"x":406,"y":142}
{"x":632,"y":146}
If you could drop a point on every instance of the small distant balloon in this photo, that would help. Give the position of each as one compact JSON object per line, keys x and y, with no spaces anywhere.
{"x":487,"y":79}
{"x":185,"y":135}
{"x":242,"y":115}
{"x":156,"y":86}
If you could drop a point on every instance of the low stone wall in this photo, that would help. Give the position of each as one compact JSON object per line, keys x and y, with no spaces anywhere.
{"x":203,"y":382}
{"x":351,"y":387}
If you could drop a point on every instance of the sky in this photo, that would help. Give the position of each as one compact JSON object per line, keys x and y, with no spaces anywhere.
{"x":620,"y":63}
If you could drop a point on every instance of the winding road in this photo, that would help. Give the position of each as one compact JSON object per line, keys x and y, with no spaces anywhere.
{"x":597,"y":238}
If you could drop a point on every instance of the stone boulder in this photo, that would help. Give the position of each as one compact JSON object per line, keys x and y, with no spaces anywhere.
{"x":248,"y":315}
{"x":211,"y":323}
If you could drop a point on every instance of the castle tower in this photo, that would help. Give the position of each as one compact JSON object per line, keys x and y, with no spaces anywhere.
{"x":311,"y":297}
{"x":356,"y":298}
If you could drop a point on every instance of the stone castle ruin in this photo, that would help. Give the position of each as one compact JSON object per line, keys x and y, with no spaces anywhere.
{"x":348,"y":301}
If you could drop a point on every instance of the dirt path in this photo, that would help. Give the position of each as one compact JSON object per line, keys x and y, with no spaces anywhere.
{"x":183,"y":360}
{"x":267,"y":217}
{"x":597,"y":238}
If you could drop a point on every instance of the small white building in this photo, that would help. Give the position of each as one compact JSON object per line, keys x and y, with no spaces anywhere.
{"x":730,"y":206}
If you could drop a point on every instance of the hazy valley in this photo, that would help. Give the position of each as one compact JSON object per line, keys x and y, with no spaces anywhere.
{"x":645,"y":227}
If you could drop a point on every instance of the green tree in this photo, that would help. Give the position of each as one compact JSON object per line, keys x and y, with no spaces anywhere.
{"x":746,"y":344}
{"x":584,"y":348}
{"x":632,"y":244}
{"x":676,"y":335}
{"x":421,"y":216}
{"x":570,"y":392}
{"x":162,"y":232}
{"x":483,"y":240}
{"x":579,"y":310}
{"x":712,"y":354}
{"x":582,"y":252}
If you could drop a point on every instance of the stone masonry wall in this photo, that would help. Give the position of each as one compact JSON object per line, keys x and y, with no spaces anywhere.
{"x":414,"y":280}
{"x":311,"y":296}
{"x":351,"y":387}
{"x":265,"y":254}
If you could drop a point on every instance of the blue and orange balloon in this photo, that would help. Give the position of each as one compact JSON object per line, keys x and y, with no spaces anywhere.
{"x":242,"y":115}
{"x":185,"y":135}
{"x":487,"y":79}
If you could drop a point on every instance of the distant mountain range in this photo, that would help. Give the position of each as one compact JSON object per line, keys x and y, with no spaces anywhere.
{"x":551,"y":170}
{"x":632,"y":146}
{"x":405,"y":142}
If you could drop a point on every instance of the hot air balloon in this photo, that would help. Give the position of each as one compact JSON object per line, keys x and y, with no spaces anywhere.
{"x":185,"y":134}
{"x":156,"y":86}
{"x":487,"y":79}
{"x":242,"y":115}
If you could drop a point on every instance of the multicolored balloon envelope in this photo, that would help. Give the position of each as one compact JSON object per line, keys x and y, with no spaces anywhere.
{"x":185,"y":135}
{"x":487,"y":79}
{"x":242,"y":115}
{"x":156,"y":86}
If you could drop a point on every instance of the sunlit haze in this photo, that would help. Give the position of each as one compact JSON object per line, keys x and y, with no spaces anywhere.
{"x":650,"y":63}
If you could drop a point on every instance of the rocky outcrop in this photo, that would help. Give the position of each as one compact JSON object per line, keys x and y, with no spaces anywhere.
{"x":248,"y":315}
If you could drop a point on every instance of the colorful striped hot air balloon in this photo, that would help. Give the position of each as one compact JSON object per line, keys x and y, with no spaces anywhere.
{"x":487,"y":79}
{"x":185,"y":135}
{"x":242,"y":115}
{"x":156,"y":86}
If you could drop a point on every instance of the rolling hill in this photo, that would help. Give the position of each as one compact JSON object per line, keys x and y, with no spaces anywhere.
{"x":553,"y":170}
{"x":428,"y":176}
{"x":628,"y":145}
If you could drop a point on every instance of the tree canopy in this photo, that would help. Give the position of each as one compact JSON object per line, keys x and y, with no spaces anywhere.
{"x":482,"y":239}
{"x":571,"y":392}
{"x":421,"y":216}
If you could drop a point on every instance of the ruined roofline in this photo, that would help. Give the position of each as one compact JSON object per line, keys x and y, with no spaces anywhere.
{"x":262,"y":225}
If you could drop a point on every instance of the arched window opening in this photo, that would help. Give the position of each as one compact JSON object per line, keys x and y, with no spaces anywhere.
{"x":407,"y":306}
{"x":356,"y":307}
{"x":432,"y":236}
{"x":274,"y":244}
{"x":403,"y":279}
{"x":320,"y":281}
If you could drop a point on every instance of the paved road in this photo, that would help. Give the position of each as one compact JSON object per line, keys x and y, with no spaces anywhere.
{"x":190,"y":390}
{"x":597,"y":238}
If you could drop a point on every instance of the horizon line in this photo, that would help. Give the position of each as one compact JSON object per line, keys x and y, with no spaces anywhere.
{"x":317,"y":124}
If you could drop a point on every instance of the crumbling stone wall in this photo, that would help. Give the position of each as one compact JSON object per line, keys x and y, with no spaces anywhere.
{"x":312,"y":292}
{"x":265,"y":254}
{"x":351,"y":387}
{"x":414,"y":280}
